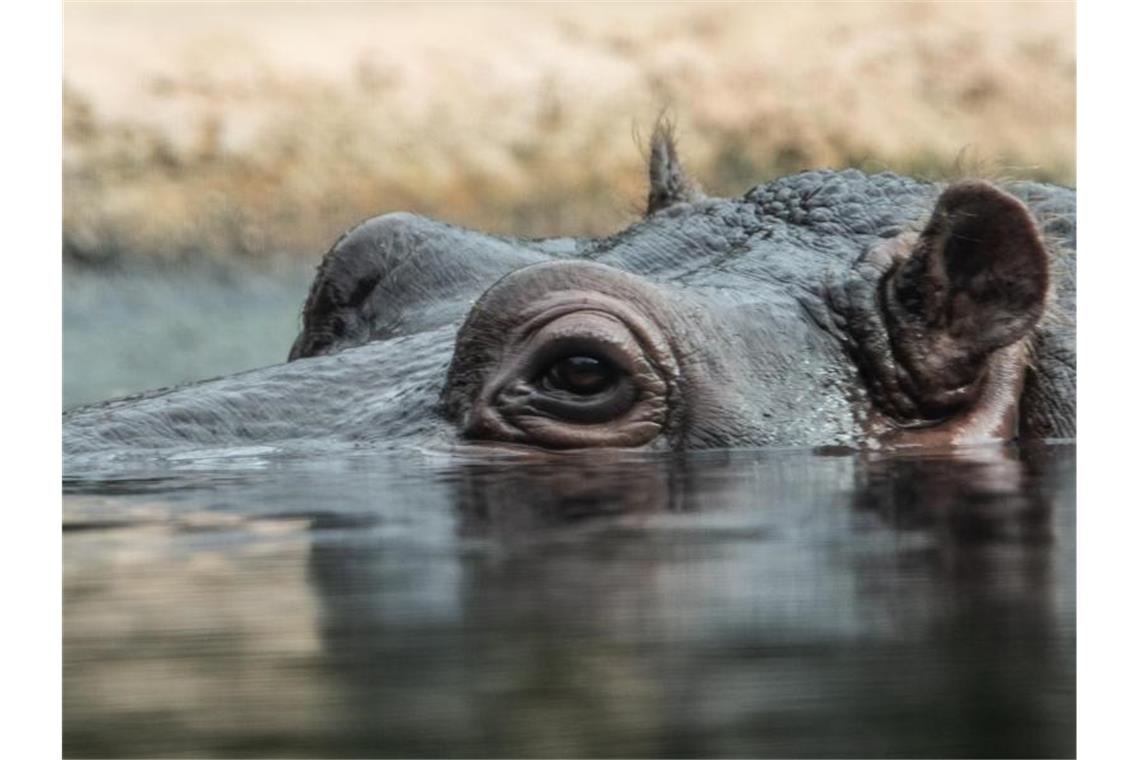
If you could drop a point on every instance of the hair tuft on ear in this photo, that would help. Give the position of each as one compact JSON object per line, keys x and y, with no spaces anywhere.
{"x":668,"y":184}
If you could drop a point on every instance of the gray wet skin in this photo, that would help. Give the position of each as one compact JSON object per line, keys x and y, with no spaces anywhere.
{"x":823,"y":308}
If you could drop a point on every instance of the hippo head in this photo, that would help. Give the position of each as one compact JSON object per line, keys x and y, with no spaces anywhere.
{"x":821,"y":309}
{"x":825,"y":308}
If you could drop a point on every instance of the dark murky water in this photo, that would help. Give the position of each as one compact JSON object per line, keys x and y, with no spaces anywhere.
{"x":726,"y":604}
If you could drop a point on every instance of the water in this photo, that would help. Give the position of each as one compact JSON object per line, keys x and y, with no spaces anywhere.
{"x":139,"y":329}
{"x":721,"y":604}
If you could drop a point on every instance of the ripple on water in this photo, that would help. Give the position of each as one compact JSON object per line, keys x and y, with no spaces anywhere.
{"x":721,"y":603}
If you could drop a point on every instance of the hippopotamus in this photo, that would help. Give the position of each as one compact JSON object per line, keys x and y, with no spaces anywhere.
{"x":822,"y":309}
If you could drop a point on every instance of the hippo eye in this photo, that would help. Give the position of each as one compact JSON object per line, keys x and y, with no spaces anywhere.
{"x":571,"y":369}
{"x":581,"y":375}
{"x":579,"y":386}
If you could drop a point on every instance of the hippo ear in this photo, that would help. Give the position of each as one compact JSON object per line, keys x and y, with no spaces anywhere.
{"x":668,"y":184}
{"x":975,"y":281}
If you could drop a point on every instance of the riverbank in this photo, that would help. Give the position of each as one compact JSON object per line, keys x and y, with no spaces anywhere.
{"x":254,"y":131}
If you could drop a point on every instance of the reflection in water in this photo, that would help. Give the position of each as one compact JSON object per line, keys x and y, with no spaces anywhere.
{"x":730,"y":603}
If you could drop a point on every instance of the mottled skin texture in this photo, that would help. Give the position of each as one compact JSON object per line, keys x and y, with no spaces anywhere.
{"x":824,"y":308}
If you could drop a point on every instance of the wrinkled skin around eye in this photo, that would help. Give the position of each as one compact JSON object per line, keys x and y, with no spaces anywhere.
{"x":572,"y":370}
{"x":522,"y":404}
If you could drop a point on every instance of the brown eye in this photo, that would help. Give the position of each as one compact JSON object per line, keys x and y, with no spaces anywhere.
{"x":581,"y":375}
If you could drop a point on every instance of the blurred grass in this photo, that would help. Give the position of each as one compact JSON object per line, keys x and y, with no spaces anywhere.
{"x":261,"y":131}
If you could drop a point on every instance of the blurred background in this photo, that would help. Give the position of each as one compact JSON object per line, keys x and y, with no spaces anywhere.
{"x":212,"y":153}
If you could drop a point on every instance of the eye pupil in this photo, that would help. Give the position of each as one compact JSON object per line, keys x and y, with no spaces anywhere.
{"x":581,"y":375}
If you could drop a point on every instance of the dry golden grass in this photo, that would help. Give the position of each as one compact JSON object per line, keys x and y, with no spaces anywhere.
{"x":257,"y":130}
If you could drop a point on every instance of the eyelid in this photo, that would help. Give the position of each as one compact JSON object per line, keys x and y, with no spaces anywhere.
{"x":570,"y":308}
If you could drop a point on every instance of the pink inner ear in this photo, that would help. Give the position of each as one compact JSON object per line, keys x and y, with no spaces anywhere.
{"x":974,"y":282}
{"x":996,"y":265}
{"x":979,"y":273}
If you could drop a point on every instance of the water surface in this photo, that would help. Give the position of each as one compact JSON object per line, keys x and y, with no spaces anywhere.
{"x":719,"y":604}
{"x":137,"y":329}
